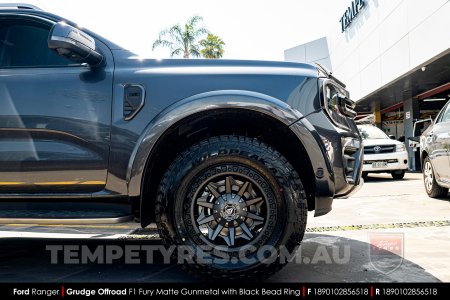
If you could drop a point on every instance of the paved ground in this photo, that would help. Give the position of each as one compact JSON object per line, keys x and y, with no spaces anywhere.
{"x":335,"y":248}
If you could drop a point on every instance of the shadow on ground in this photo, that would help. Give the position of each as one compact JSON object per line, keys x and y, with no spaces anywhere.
{"x":386,"y":178}
{"x":321,"y":258}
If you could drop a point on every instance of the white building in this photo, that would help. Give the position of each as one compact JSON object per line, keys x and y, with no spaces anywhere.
{"x":394,"y":56}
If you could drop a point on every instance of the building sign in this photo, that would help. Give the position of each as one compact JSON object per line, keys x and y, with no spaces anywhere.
{"x":351,"y":13}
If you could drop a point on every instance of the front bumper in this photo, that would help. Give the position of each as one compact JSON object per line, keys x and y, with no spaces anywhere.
{"x":394,"y":161}
{"x":342,"y":152}
{"x":352,"y":160}
{"x":353,"y":190}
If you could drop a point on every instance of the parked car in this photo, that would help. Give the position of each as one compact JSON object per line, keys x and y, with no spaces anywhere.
{"x":434,"y":155}
{"x":382,"y":154}
{"x":226,"y":156}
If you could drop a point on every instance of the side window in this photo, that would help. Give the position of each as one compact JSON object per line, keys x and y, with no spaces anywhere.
{"x":446,"y":115}
{"x":24,"y":44}
{"x":439,"y":117}
{"x":443,"y":115}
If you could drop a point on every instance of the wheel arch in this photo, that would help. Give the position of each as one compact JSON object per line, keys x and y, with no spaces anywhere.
{"x":423,"y":155}
{"x":199,"y":117}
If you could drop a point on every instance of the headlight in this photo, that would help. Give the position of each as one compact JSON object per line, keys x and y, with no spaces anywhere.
{"x":400,"y":148}
{"x":337,"y":104}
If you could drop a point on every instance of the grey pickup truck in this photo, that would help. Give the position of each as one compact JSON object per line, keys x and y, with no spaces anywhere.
{"x":225,"y":156}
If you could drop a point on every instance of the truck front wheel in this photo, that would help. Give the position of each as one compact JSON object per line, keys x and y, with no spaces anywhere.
{"x":234,"y":206}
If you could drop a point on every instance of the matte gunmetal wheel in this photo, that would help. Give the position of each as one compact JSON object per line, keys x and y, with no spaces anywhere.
{"x":230,"y":209}
{"x":234,"y":201}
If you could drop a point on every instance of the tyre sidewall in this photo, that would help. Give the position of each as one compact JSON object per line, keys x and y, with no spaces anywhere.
{"x":290,"y":203}
{"x":429,"y":192}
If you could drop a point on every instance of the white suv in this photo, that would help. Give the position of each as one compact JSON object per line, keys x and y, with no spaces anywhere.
{"x":382,"y":154}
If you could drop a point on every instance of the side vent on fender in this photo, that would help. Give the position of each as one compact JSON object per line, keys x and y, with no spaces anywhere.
{"x":134,"y":99}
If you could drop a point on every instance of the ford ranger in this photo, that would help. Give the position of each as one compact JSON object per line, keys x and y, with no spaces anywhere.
{"x":226,"y":156}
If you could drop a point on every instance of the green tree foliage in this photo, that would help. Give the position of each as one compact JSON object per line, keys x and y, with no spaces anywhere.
{"x":182,"y":39}
{"x":212,"y":46}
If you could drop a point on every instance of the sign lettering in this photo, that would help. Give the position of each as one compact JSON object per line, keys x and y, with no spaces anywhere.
{"x":351,"y":13}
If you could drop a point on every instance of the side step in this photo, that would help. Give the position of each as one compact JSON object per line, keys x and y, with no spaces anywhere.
{"x":40,"y":213}
{"x":66,"y":221}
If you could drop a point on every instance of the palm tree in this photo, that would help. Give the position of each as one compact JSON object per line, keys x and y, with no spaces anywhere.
{"x":212,"y":46}
{"x":182,"y":39}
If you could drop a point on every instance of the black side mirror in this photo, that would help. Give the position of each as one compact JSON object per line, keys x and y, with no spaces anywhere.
{"x":392,"y":137}
{"x":74,"y":44}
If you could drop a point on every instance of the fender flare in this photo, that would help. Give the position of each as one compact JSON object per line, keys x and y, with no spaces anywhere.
{"x":222,"y":99}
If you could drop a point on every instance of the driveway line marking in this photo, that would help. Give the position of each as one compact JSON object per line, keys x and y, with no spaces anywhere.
{"x":441,"y":223}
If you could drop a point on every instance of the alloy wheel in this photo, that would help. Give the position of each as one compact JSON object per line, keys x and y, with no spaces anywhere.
{"x":229,"y":210}
{"x":428,"y":176}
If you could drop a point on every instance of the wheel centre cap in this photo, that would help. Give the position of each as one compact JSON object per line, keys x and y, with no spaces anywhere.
{"x":229,"y":207}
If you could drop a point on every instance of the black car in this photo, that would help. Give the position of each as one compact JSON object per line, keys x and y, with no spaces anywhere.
{"x":226,"y":156}
{"x":435,"y":155}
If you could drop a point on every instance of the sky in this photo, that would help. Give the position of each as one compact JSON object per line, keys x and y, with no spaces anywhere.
{"x":251,"y":29}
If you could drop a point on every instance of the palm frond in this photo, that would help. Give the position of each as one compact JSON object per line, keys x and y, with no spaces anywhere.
{"x":182,"y":39}
{"x":163,"y":43}
{"x":177,"y":34}
{"x":176,"y":52}
{"x":194,"y":20}
{"x":201,"y":31}
{"x":194,"y":52}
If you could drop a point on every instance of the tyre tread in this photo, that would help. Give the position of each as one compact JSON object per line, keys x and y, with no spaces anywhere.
{"x":256,"y":149}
